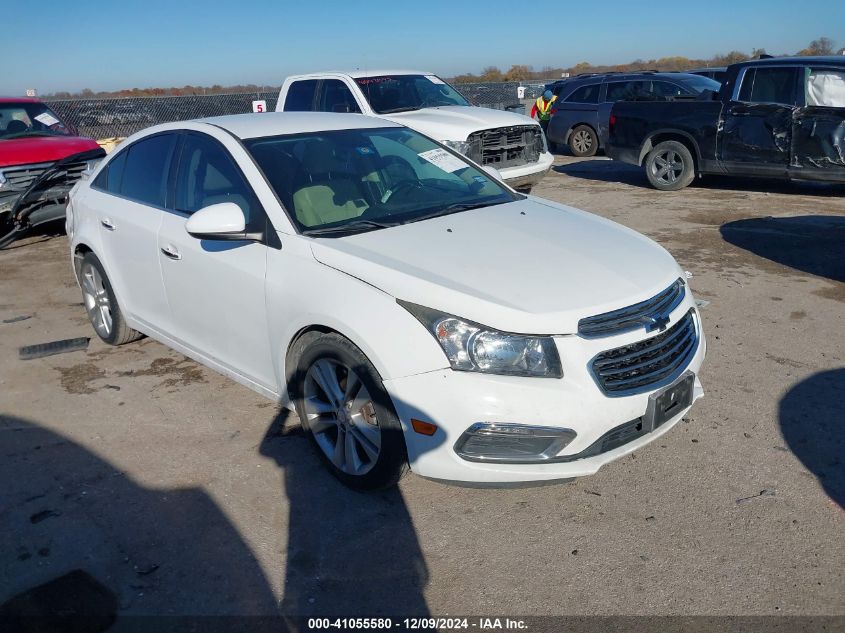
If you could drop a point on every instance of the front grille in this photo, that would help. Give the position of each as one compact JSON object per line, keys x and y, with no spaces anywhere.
{"x":20,"y":177}
{"x":646,"y":364}
{"x":634,"y":316}
{"x":506,"y":146}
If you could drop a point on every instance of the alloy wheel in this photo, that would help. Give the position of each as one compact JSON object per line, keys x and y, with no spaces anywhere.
{"x":341,"y":414}
{"x":667,"y":167}
{"x":96,"y":299}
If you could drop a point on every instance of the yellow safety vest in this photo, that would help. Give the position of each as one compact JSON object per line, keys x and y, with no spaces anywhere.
{"x":544,"y":106}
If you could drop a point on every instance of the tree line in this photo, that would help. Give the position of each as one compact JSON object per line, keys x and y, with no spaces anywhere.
{"x":517,"y":72}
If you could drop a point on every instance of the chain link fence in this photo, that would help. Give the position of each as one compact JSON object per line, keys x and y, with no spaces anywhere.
{"x":109,"y":118}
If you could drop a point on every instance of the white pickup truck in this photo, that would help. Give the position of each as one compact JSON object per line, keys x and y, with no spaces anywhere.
{"x":512,"y":143}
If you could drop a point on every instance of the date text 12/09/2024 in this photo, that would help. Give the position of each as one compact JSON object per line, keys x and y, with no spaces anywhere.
{"x":417,"y":624}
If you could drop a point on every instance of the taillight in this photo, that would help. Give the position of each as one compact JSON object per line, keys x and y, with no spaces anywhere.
{"x":612,"y":120}
{"x":553,"y":111}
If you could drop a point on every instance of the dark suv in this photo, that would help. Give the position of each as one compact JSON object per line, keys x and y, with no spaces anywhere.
{"x":582,"y":110}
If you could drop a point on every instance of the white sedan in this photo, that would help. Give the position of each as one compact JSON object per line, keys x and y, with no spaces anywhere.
{"x":412,"y":309}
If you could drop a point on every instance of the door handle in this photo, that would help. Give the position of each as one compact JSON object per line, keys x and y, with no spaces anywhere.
{"x":170,"y":252}
{"x":107,"y":224}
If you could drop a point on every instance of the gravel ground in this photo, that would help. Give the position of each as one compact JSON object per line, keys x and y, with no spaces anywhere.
{"x":184,"y":493}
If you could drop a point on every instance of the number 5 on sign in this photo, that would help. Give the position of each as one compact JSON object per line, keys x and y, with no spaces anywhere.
{"x":259,"y":106}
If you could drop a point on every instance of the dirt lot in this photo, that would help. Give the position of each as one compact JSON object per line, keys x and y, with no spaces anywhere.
{"x":183,"y":492}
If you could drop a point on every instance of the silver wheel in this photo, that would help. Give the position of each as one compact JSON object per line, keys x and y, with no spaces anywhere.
{"x":340,"y":413}
{"x":582,"y":141}
{"x":667,"y":167}
{"x":96,"y":300}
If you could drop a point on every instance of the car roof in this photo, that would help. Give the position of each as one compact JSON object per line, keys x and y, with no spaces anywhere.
{"x":254,"y":125}
{"x":356,"y":74}
{"x":838,"y":60}
{"x":19,"y":100}
{"x":614,"y":76}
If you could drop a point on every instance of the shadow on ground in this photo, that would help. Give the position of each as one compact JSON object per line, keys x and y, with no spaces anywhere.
{"x":604,"y":171}
{"x":80,"y":537}
{"x":814,"y":244}
{"x":812,"y":420}
{"x":349,"y":552}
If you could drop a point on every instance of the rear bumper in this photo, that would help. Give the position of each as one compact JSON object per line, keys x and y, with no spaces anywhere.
{"x":530,"y":174}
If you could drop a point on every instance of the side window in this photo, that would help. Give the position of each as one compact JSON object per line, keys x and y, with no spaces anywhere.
{"x":621,"y":90}
{"x":109,"y":179}
{"x":825,"y":87}
{"x":146,"y":169}
{"x":585,"y":94}
{"x":208,"y":175}
{"x":335,"y":96}
{"x":300,"y":97}
{"x":769,"y":85}
{"x":666,"y":89}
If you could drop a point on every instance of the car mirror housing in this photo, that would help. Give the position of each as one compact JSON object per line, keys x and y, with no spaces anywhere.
{"x":222,"y":221}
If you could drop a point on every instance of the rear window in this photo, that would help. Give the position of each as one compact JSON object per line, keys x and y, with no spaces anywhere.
{"x":621,"y":90}
{"x":769,"y":85}
{"x":584,"y":94}
{"x":300,"y":97}
{"x":146,"y":170}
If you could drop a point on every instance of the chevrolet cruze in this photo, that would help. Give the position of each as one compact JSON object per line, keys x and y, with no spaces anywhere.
{"x":413,"y":310}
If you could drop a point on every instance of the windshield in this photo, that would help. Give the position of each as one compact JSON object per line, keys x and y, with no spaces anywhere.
{"x":345,"y":181}
{"x":30,"y":119}
{"x":403,"y":93}
{"x":700,"y":84}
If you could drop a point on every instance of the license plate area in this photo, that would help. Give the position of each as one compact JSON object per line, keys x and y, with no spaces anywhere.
{"x":665,"y":404}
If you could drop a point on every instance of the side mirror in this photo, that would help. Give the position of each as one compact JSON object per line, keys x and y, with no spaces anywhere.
{"x":223,"y":221}
{"x":493,"y":172}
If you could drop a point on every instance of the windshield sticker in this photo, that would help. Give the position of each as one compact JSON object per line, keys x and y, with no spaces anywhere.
{"x":435,"y":80}
{"x":443,"y":159}
{"x":47,"y":119}
{"x":479,"y":179}
{"x":363,"y":81}
{"x":364,"y":151}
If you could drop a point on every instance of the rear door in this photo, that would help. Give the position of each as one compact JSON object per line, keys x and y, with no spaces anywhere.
{"x":756,"y":131}
{"x":215,"y":288}
{"x":818,"y":131}
{"x":129,"y":197}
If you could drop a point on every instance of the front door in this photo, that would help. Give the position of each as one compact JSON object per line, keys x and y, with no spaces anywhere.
{"x":216,"y":289}
{"x":818,"y":132}
{"x":756,"y":126}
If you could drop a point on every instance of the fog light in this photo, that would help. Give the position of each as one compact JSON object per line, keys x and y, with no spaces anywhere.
{"x":512,"y":443}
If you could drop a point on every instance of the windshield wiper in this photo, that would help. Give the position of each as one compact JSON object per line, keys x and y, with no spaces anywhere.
{"x":358,"y":226}
{"x":453,"y":208}
{"x":394,"y":110}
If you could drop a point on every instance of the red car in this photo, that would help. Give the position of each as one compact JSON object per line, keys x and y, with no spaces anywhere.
{"x":41,"y":158}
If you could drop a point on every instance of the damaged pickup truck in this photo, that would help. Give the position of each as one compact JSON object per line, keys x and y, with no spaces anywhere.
{"x":41,"y":158}
{"x":774,"y":118}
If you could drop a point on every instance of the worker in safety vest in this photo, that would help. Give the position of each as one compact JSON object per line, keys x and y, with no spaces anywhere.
{"x":542,"y":108}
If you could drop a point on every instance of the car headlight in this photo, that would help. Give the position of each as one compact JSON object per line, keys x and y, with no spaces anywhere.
{"x":473,"y":347}
{"x":462,"y":147}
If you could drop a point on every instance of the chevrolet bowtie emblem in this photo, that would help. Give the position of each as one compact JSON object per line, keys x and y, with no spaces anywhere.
{"x":653,"y":323}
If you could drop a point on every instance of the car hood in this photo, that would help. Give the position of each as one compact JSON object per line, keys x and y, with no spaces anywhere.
{"x":456,"y":123}
{"x":529,"y":266}
{"x":41,"y":149}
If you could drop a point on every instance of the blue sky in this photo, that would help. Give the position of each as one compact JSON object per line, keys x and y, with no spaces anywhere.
{"x":115,"y":44}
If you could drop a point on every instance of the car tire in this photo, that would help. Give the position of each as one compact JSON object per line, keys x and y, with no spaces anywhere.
{"x":344,"y":408}
{"x":669,"y":166}
{"x":100,"y":302}
{"x":583,"y":141}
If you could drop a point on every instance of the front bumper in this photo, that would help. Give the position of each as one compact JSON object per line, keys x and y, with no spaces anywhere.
{"x":528,"y":175}
{"x":454,"y":401}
